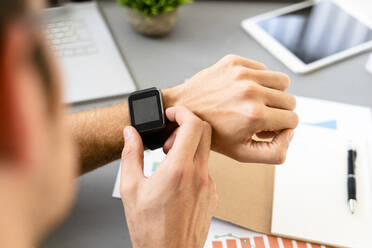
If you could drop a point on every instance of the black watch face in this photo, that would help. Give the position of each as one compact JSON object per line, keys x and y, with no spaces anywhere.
{"x":146,"y":111}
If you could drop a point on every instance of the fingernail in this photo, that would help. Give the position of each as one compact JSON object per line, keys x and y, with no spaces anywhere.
{"x":291,"y":136}
{"x":170,"y":108}
{"x":127,"y":133}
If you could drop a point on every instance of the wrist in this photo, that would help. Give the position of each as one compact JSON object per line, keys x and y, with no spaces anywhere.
{"x":183,"y":95}
{"x":172,"y":96}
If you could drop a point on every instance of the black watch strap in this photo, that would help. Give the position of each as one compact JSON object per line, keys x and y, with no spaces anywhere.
{"x":153,"y":140}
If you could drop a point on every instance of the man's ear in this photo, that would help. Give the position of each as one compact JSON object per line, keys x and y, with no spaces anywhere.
{"x":16,"y":122}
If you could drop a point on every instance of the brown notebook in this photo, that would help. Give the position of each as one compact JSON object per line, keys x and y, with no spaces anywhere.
{"x":245,"y":192}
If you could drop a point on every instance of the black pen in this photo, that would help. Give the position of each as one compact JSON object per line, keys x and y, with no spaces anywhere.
{"x":351,"y":183}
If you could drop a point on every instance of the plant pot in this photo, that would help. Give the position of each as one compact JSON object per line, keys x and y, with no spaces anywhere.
{"x":157,"y":25}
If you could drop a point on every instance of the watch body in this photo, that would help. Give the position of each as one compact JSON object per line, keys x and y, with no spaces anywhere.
{"x":147,"y":116}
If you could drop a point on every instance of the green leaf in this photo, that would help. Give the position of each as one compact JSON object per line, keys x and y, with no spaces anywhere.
{"x":153,"y":7}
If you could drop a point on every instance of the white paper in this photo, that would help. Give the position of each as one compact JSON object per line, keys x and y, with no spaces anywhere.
{"x":310,"y":193}
{"x":151,"y":160}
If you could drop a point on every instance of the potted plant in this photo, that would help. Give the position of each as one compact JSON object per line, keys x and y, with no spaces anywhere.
{"x":152,"y":17}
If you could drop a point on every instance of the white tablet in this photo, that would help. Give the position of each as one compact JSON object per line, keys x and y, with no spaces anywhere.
{"x":312,"y":34}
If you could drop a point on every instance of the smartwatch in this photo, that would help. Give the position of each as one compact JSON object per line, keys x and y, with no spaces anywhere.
{"x":147,"y":116}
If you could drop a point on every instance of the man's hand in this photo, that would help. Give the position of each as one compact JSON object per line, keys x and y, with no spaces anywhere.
{"x":174,"y":207}
{"x":240,"y":98}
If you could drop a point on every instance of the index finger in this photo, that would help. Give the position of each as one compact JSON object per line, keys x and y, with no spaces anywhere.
{"x":279,"y":119}
{"x":188,"y":134}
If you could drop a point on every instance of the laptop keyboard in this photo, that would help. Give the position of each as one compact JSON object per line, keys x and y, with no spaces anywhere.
{"x":70,"y":38}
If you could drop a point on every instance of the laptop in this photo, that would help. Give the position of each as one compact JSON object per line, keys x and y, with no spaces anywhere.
{"x":92,"y":65}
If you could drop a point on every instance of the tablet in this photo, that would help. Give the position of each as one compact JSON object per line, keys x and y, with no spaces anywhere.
{"x":312,"y":34}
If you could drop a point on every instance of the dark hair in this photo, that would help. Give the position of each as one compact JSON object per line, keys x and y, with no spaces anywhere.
{"x":9,"y":10}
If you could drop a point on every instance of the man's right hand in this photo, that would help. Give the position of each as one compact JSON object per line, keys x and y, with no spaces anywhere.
{"x":174,"y":207}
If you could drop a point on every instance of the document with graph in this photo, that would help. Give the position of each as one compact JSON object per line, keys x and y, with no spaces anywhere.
{"x":152,"y":160}
{"x":225,"y":235}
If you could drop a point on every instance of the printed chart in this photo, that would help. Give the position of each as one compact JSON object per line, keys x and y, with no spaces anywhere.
{"x":258,"y":242}
{"x":226,"y":235}
{"x":331,"y":124}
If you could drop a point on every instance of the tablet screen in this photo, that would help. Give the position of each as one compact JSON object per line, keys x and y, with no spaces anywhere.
{"x":318,"y":31}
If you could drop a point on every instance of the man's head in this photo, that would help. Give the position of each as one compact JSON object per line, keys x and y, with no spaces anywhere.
{"x":37,"y":162}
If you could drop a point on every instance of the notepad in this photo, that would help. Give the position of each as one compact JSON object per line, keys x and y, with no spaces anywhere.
{"x":310,"y":193}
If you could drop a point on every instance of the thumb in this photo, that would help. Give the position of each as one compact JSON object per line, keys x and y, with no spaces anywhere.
{"x":273,"y":152}
{"x":132,"y":156}
{"x":279,"y":146}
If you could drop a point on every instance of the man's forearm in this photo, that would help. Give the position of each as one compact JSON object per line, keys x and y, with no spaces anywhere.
{"x":99,"y":133}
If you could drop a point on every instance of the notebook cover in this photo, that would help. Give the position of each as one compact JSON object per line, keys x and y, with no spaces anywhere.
{"x":245,"y":192}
